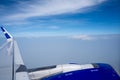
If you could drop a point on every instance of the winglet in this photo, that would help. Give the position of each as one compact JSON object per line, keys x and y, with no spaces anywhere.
{"x":7,"y":35}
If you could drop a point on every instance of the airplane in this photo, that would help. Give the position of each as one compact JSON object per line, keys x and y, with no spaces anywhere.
{"x":72,"y":71}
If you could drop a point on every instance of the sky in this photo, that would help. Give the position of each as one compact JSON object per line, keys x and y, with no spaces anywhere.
{"x":52,"y":32}
{"x":36,"y":18}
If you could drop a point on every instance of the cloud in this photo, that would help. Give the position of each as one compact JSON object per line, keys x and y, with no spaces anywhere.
{"x":35,"y":8}
{"x":96,"y":37}
{"x":83,"y":37}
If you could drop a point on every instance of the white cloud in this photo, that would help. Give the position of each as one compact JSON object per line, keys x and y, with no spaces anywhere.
{"x":83,"y":37}
{"x":96,"y":37}
{"x":50,"y":7}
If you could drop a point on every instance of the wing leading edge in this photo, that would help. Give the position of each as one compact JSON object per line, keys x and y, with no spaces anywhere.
{"x":19,"y":70}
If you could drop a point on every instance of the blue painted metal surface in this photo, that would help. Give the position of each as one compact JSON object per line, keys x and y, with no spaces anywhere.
{"x":103,"y":72}
{"x":2,"y":29}
{"x":6,"y":34}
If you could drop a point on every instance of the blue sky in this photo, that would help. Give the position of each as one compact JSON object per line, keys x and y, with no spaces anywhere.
{"x":60,"y":17}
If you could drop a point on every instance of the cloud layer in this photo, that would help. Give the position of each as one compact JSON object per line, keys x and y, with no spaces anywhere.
{"x":83,"y":37}
{"x":96,"y":37}
{"x":39,"y":8}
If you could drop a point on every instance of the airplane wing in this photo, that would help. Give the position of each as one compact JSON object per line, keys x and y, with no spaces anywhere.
{"x":19,"y":70}
{"x":95,"y":71}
